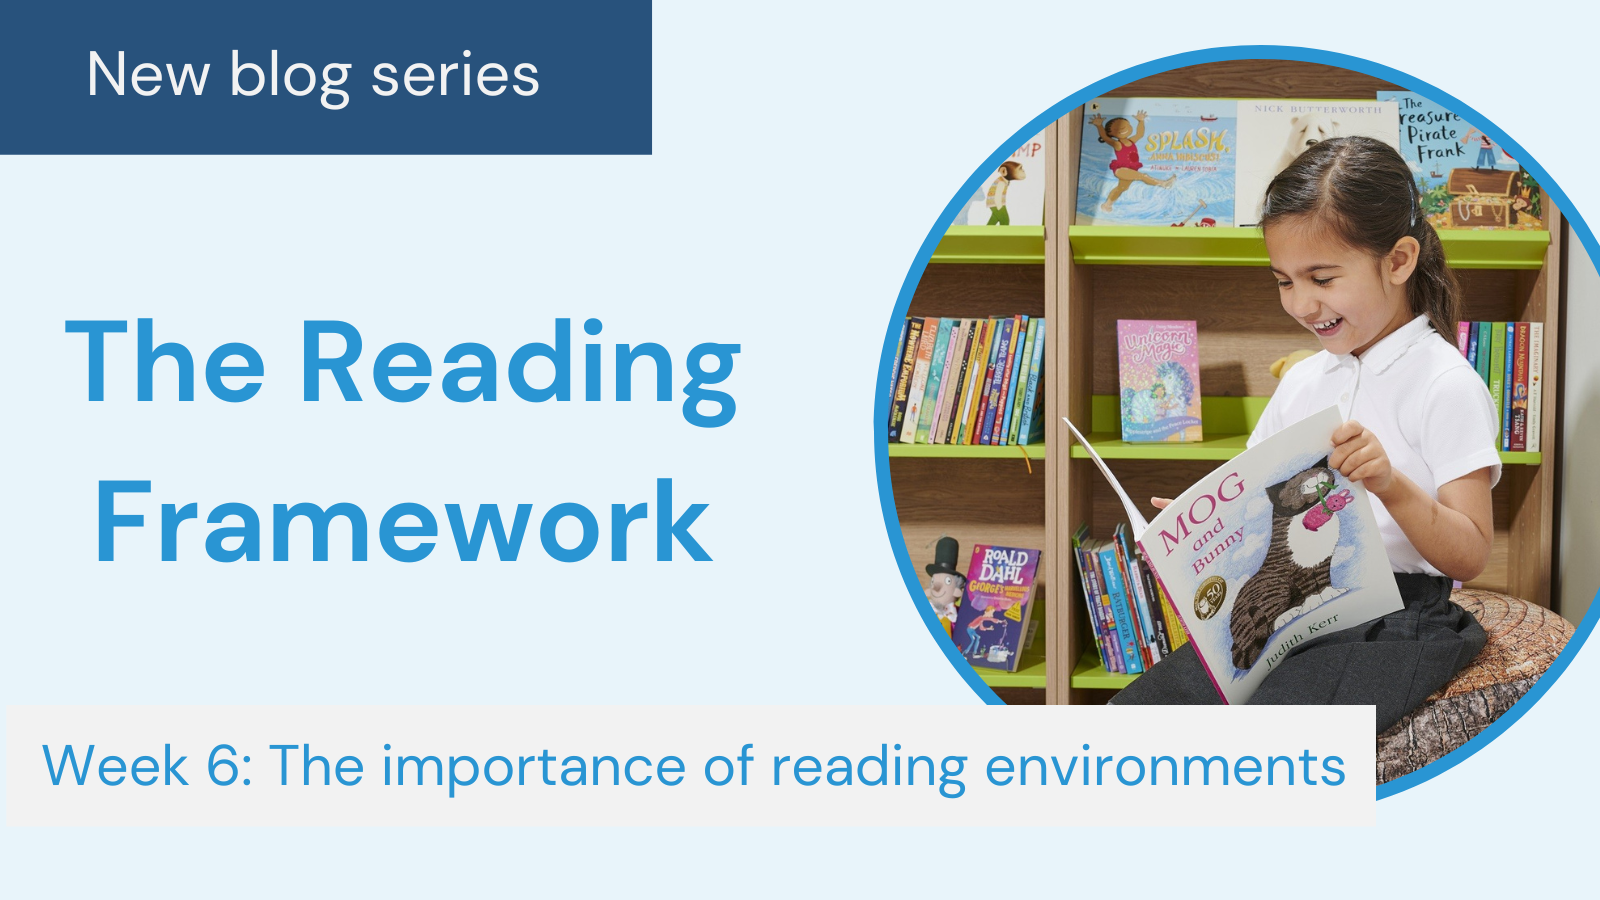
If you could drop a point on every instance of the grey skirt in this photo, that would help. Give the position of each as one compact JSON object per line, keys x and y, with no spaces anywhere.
{"x":1392,"y":663}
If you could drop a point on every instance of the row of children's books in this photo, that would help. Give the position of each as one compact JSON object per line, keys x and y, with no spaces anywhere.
{"x":1207,"y":162}
{"x":1134,"y":623}
{"x":1509,"y":357}
{"x":968,"y":381}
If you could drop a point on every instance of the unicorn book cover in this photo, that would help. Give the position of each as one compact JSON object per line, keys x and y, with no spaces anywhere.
{"x":998,"y":602}
{"x":1158,"y":365}
{"x":1271,"y":550}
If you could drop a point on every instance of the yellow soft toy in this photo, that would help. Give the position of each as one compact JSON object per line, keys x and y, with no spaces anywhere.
{"x":1283,"y":365}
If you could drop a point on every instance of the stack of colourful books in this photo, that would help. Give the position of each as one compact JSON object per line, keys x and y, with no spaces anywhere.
{"x":1134,"y":623}
{"x":1509,"y":357}
{"x":968,"y":381}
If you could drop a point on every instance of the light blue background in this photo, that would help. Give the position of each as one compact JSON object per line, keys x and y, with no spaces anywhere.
{"x":766,"y":217}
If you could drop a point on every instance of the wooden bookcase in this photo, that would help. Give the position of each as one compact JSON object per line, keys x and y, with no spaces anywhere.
{"x":1096,"y":275}
{"x":1082,"y":279}
{"x":981,"y":495}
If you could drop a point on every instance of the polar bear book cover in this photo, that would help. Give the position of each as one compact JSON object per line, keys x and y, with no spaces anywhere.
{"x":1273,"y":132}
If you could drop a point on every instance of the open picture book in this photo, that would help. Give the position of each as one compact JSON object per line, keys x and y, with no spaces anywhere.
{"x":1272,"y":549}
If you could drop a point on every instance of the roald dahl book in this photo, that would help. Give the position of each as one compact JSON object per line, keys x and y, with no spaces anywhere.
{"x":1272,"y":549}
{"x":997,"y":604}
{"x":1158,"y":364}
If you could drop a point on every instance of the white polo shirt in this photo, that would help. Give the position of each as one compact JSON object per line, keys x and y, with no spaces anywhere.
{"x":1416,"y":392}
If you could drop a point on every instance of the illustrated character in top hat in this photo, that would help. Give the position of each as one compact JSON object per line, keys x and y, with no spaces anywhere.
{"x":944,"y":582}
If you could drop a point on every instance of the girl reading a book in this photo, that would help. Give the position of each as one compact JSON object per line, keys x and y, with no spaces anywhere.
{"x":1358,"y":265}
{"x":1125,"y":162}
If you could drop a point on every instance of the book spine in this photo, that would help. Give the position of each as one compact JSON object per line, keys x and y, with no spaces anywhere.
{"x":939,"y":381}
{"x":983,"y":367}
{"x":1135,"y":592}
{"x":1159,"y":647}
{"x":974,"y":375}
{"x":1019,"y":384}
{"x":952,"y":403}
{"x":991,"y":385}
{"x":1127,"y":621}
{"x":1176,"y":636}
{"x":902,"y":388}
{"x":1519,"y":392}
{"x":1485,"y":345}
{"x":1004,"y":380}
{"x":952,"y":362}
{"x":1031,"y":407}
{"x":1497,"y":370}
{"x":1507,"y":366}
{"x":1095,"y":619}
{"x":919,"y":381}
{"x":1108,"y":616}
{"x":1461,"y":337}
{"x":1002,"y":376}
{"x":1535,"y":382}
{"x":1008,"y":394}
{"x":930,"y":400}
{"x":894,"y":368}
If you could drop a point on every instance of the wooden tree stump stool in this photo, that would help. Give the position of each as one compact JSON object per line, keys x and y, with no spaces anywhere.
{"x":1523,"y":642}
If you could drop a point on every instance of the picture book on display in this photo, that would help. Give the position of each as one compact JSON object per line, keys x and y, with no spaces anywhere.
{"x":1270,"y":550}
{"x":996,"y":606}
{"x":1156,"y":161}
{"x":1273,"y":132}
{"x":1464,"y":177}
{"x":1158,"y":365}
{"x":1013,"y":194}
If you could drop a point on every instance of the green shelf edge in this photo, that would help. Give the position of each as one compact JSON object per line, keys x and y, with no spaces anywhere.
{"x":963,"y":451}
{"x":1116,"y":245}
{"x":993,"y":245}
{"x":1088,"y":673}
{"x":1232,"y":417}
{"x":1029,"y":674}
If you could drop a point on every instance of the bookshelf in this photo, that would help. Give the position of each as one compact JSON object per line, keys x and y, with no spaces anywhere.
{"x":978,"y":494}
{"x":1084,"y":278}
{"x":1096,"y":275}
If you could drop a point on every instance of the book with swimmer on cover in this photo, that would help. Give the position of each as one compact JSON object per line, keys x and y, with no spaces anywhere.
{"x":1272,"y":549}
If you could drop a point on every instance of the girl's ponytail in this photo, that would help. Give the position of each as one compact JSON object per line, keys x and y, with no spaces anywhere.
{"x":1362,"y":191}
{"x":1433,"y":289}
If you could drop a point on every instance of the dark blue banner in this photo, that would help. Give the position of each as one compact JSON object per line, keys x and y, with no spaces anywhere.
{"x":297,"y":77}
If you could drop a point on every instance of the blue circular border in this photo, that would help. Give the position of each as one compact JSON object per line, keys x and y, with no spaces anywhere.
{"x":891,"y":338}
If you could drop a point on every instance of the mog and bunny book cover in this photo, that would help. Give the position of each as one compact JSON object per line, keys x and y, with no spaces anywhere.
{"x":1270,"y":550}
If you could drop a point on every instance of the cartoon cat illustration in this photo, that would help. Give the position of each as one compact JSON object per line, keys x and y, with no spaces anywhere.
{"x":1295,"y":576}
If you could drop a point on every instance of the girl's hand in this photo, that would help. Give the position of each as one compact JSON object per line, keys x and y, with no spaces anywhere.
{"x":1096,"y":119}
{"x":1359,"y":456}
{"x":1160,"y":502}
{"x":1140,"y":116}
